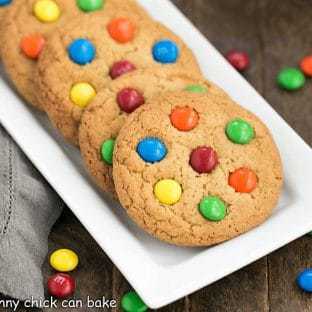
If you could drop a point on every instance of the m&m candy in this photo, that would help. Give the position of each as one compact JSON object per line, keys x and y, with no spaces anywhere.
{"x":131,"y":302}
{"x":82,"y":94}
{"x":306,"y":65}
{"x":238,"y":59}
{"x":165,"y":52}
{"x":196,"y":89}
{"x":243,"y":180}
{"x":152,"y":150}
{"x":204,"y":159}
{"x":120,"y":68}
{"x":130,"y":99}
{"x":107,"y":150}
{"x":61,"y":285}
{"x":90,"y":5}
{"x":32,"y":45}
{"x":121,"y":30}
{"x":82,"y":51}
{"x":184,"y":118}
{"x":64,"y":260}
{"x":212,"y":208}
{"x":240,"y":131}
{"x":5,"y":2}
{"x":291,"y":79}
{"x":46,"y":11}
{"x":304,"y":280}
{"x":168,"y":191}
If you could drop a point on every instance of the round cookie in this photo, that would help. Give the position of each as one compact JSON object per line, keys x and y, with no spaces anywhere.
{"x":105,"y":116}
{"x":64,"y":63}
{"x":26,"y":26}
{"x":193,"y":172}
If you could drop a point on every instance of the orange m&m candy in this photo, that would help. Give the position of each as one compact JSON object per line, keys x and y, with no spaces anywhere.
{"x":306,"y":65}
{"x":32,"y":45}
{"x":121,"y":29}
{"x":243,"y":180}
{"x":184,"y":118}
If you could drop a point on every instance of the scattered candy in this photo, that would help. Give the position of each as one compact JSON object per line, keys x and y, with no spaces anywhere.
{"x":243,"y":180}
{"x":32,"y":45}
{"x":121,"y":29}
{"x":131,"y":302}
{"x":5,"y":2}
{"x":168,"y":191}
{"x":184,"y":118}
{"x":82,"y":51}
{"x":238,"y":59}
{"x":61,"y":285}
{"x":90,"y":5}
{"x":306,"y":65}
{"x":166,"y":52}
{"x":291,"y":79}
{"x":152,"y":150}
{"x":240,"y":131}
{"x":82,"y":94}
{"x":46,"y":11}
{"x":212,"y":208}
{"x":204,"y":159}
{"x":304,"y":280}
{"x":120,"y":68}
{"x":196,"y":89}
{"x":129,"y":100}
{"x":64,"y":260}
{"x":107,"y":151}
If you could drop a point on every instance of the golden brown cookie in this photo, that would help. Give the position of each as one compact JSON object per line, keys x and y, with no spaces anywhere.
{"x":27,"y":24}
{"x":69,"y":76}
{"x":193,"y":172}
{"x":105,"y":116}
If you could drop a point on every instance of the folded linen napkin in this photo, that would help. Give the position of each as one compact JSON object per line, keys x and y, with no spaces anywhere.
{"x":28,"y":210}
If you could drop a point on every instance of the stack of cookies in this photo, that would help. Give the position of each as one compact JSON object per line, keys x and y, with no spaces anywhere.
{"x":189,"y":165}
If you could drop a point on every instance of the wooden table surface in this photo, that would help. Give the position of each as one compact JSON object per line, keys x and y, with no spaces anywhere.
{"x":275,"y":34}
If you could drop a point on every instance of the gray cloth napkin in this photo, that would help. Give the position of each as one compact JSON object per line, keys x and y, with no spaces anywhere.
{"x":28,"y":209}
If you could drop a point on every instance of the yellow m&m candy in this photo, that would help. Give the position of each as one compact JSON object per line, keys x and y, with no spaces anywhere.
{"x":168,"y":191}
{"x":46,"y":11}
{"x":64,"y":260}
{"x":82,"y":94}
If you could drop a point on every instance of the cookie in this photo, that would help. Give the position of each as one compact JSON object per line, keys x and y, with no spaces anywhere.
{"x":104,"y":117}
{"x":26,"y":26}
{"x":83,"y":57}
{"x":193,"y":172}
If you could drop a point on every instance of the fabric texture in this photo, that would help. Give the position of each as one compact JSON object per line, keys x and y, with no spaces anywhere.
{"x":28,"y":210}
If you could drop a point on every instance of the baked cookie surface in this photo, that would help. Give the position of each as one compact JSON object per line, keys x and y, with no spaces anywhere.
{"x":193,"y":172}
{"x":105,"y":116}
{"x":27,"y":25}
{"x":109,"y":52}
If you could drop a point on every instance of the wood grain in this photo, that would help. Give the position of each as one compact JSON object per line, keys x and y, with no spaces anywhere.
{"x":275,"y":34}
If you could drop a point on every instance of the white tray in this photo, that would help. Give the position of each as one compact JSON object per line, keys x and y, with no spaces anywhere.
{"x":161,"y":273}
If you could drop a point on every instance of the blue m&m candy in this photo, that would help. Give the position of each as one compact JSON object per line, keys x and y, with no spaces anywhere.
{"x":82,"y":51}
{"x":152,"y":150}
{"x":304,"y":280}
{"x":5,"y":2}
{"x":166,"y":52}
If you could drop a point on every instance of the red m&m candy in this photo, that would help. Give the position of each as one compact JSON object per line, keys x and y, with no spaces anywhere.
{"x":32,"y":45}
{"x":204,"y":159}
{"x":61,"y":285}
{"x":238,"y":59}
{"x":120,"y":68}
{"x":129,"y":100}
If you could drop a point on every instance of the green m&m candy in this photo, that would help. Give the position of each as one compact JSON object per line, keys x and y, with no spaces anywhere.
{"x":131,"y":302}
{"x":90,"y":5}
{"x":212,"y":208}
{"x":107,"y":150}
{"x":240,"y":131}
{"x":291,"y":79}
{"x":196,"y":89}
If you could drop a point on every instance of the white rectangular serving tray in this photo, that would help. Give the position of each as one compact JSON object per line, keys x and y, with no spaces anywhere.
{"x":161,"y":273}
